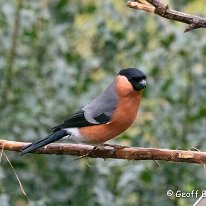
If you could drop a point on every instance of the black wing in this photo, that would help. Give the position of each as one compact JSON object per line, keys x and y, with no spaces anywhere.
{"x":78,"y":120}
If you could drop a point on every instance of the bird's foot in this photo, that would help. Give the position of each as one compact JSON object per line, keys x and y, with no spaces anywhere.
{"x":88,"y":153}
{"x":114,"y":146}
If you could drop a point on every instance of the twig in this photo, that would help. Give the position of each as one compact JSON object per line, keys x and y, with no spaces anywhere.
{"x":130,"y":153}
{"x":140,"y":6}
{"x":20,"y":184}
{"x":163,"y":10}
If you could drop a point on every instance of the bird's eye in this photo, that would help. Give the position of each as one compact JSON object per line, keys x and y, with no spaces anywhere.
{"x":144,"y":77}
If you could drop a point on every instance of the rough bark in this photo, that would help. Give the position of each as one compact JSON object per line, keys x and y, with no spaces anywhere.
{"x":129,"y":153}
{"x":163,"y":10}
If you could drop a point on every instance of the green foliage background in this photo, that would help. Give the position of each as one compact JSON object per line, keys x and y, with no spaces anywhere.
{"x":55,"y":56}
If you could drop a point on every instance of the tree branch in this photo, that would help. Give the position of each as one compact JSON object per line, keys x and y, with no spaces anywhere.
{"x":163,"y":10}
{"x":130,"y":153}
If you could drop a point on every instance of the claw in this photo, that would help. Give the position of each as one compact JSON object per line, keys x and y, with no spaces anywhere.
{"x":87,"y":154}
{"x":115,"y":147}
{"x":96,"y":147}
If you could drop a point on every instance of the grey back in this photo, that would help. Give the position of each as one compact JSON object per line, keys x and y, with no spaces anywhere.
{"x":105,"y":103}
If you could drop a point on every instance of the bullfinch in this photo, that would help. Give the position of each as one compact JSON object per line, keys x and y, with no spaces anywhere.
{"x":105,"y":117}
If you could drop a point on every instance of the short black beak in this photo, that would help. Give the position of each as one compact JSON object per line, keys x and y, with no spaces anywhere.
{"x":143,"y":83}
{"x":140,"y":85}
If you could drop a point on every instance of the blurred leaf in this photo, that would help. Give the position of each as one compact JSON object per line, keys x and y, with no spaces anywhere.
{"x":67,"y":52}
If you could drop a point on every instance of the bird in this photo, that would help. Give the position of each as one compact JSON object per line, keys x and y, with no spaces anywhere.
{"x":105,"y":117}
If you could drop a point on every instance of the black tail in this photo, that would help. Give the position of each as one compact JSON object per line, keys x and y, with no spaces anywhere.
{"x":51,"y":138}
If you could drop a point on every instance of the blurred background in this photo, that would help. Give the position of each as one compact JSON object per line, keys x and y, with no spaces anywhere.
{"x":55,"y":56}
